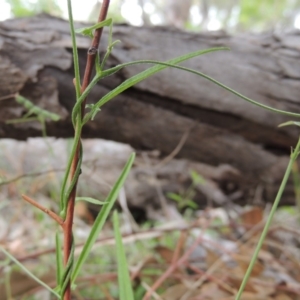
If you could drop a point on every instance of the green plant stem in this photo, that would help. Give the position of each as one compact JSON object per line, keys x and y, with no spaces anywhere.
{"x":93,"y":50}
{"x":73,"y":169}
{"x":296,"y":180}
{"x":7,"y":285}
{"x":59,"y":259}
{"x":75,"y":51}
{"x":293,"y":158}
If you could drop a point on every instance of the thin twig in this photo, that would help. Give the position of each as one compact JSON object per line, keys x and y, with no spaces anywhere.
{"x":127,"y":238}
{"x":243,"y":240}
{"x":176,"y":150}
{"x":49,"y":212}
{"x":175,"y":265}
{"x":35,"y":174}
{"x":153,"y":293}
{"x":218,"y":281}
{"x":7,"y":97}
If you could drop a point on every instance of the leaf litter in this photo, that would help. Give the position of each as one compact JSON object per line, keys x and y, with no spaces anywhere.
{"x":207,"y":255}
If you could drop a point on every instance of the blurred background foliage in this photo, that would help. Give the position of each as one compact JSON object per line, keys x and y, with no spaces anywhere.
{"x":196,"y":15}
{"x":23,"y":8}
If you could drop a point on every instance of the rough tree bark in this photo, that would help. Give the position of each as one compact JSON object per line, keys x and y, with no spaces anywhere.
{"x":35,"y":60}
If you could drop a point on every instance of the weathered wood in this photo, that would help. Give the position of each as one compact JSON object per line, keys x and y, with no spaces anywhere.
{"x":36,"y":60}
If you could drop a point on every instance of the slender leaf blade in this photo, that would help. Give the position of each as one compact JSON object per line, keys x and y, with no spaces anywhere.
{"x":125,"y":289}
{"x":91,"y":200}
{"x":197,"y":178}
{"x":101,"y":218}
{"x":289,"y":123}
{"x":88,"y":31}
{"x":143,"y":75}
{"x":175,"y":197}
{"x":25,"y":270}
{"x":75,"y":50}
{"x":59,"y":260}
{"x":293,"y":158}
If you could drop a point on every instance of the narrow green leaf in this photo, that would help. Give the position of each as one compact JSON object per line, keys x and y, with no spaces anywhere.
{"x":101,"y":218}
{"x":4,"y":262}
{"x":59,"y":261}
{"x":36,"y":110}
{"x":293,"y":158}
{"x":162,"y":65}
{"x":191,"y":203}
{"x":91,"y":200}
{"x":97,"y":66}
{"x":25,"y":270}
{"x":109,"y":49}
{"x":289,"y":123}
{"x":197,"y":178}
{"x":14,"y":121}
{"x":110,"y":34}
{"x":174,"y":197}
{"x":139,"y":291}
{"x":143,"y":75}
{"x":91,"y":106}
{"x":125,"y":289}
{"x":129,"y":82}
{"x":88,"y":31}
{"x":75,"y":50}
{"x":114,"y":43}
{"x":77,"y":107}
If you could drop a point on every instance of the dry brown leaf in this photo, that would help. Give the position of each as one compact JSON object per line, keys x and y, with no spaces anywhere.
{"x":174,"y":292}
{"x":243,"y":262}
{"x":266,"y":256}
{"x":211,"y":290}
{"x":282,"y":297}
{"x":246,"y":250}
{"x":264,"y":289}
{"x":148,"y":261}
{"x":165,"y":253}
{"x":235,"y":282}
{"x":207,"y":291}
{"x":211,"y":257}
{"x":253,"y":216}
{"x":249,"y":296}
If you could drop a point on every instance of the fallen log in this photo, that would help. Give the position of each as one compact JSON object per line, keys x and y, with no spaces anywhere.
{"x":220,"y":128}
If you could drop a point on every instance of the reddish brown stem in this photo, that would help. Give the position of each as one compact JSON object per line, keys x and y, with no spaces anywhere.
{"x":52,"y":214}
{"x":93,"y":50}
{"x":7,"y":97}
{"x":68,"y":224}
